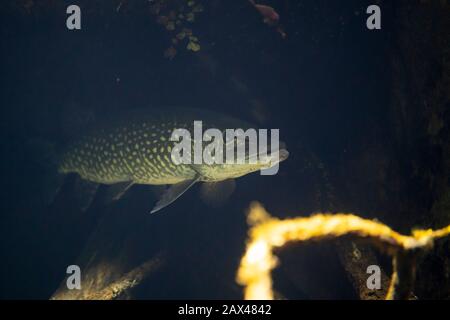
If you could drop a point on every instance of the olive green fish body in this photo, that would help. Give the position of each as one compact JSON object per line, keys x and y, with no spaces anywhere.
{"x":137,"y":150}
{"x":136,"y":147}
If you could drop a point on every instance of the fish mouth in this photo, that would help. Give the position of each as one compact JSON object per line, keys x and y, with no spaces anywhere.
{"x":278,"y":156}
{"x":283,"y":154}
{"x":270,"y":159}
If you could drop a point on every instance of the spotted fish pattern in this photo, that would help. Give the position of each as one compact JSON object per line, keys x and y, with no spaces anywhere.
{"x":136,"y":147}
{"x":139,"y":151}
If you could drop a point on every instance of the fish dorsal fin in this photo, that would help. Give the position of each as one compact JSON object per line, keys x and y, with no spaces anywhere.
{"x":173,"y":193}
{"x":117,"y":190}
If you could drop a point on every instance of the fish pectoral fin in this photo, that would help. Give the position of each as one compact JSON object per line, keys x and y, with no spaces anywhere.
{"x":173,"y":193}
{"x":216,"y":194}
{"x":117,"y":190}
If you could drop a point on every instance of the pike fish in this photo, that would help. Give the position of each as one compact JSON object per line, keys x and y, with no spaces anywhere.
{"x":135,"y":148}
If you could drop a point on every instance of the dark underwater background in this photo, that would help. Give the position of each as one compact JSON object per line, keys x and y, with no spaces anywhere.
{"x":364,"y":115}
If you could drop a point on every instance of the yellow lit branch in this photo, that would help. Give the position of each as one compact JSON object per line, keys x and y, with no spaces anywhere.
{"x":268,"y":233}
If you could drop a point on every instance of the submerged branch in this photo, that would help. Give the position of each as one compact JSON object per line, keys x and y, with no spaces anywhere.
{"x":268,"y":233}
{"x":111,"y":290}
{"x":130,"y":280}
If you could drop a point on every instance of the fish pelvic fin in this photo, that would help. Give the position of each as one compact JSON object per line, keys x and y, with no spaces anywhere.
{"x":173,"y":193}
{"x":116,"y":191}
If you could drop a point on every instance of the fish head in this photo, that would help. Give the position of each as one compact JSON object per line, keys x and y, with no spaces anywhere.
{"x":266,"y":163}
